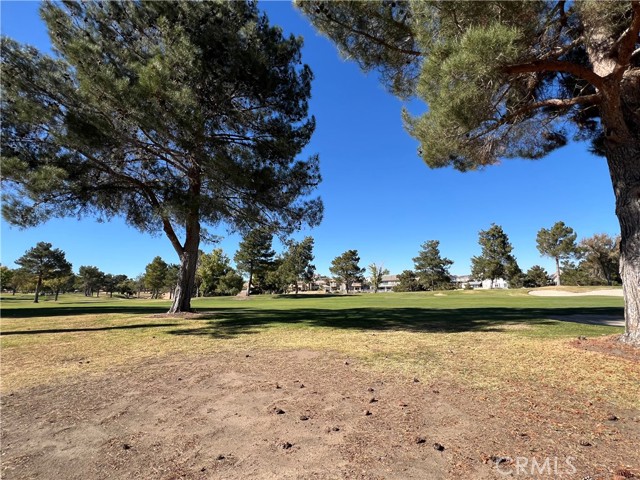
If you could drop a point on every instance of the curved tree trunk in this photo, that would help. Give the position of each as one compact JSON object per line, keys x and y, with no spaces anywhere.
{"x":624,"y":166}
{"x":188,"y":265}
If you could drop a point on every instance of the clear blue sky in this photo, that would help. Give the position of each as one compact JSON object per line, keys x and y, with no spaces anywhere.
{"x":379,"y":197}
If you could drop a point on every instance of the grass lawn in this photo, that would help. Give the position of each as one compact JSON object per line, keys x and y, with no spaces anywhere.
{"x":485,"y":339}
{"x":426,"y":385}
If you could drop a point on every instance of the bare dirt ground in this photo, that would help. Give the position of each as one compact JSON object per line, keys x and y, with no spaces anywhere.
{"x":305,"y":415}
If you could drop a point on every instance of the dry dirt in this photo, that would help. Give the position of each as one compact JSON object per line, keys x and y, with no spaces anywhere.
{"x":303,"y":415}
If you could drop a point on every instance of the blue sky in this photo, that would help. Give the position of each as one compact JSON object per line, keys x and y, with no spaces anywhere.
{"x":379,"y":197}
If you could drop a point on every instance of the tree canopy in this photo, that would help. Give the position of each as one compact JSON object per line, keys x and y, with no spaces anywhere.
{"x":505,"y":79}
{"x":431,"y":268}
{"x":557,"y":242}
{"x":345,"y":268}
{"x":254,"y":255}
{"x":495,"y":260}
{"x":44,"y":262}
{"x":174,"y":115}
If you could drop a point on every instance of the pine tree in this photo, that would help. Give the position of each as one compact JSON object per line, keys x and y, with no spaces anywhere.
{"x":44,"y":262}
{"x":345,"y":268}
{"x":558,"y":242}
{"x":496,"y":260}
{"x":255,"y":256}
{"x":174,"y":115}
{"x":431,"y":268}
{"x":509,"y":79}
{"x":155,"y":276}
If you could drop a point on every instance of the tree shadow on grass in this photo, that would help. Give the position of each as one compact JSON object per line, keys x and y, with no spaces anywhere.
{"x":87,"y":329}
{"x":60,"y":311}
{"x":225,"y":323}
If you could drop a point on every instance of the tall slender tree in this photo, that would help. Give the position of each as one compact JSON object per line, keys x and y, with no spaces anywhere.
{"x":155,"y":276}
{"x":496,"y":260}
{"x":507,"y":79}
{"x":174,"y":115}
{"x":432,"y":269}
{"x":345,"y":268}
{"x":254,"y":255}
{"x":44,"y":262}
{"x":557,"y":242}
{"x":376,"y":272}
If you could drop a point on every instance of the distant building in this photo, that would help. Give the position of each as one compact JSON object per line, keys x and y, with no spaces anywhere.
{"x":388,"y":282}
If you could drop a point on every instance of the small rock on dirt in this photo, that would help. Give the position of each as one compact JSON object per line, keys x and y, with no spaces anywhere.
{"x":420,"y":440}
{"x":220,"y":457}
{"x":585,"y":443}
{"x":286,"y":445}
{"x":304,"y":418}
{"x":126,"y":446}
{"x":370,"y":389}
{"x":498,"y":460}
{"x":373,"y":400}
{"x":302,"y":385}
{"x":279,"y":411}
{"x":367,"y":412}
{"x":439,"y":447}
{"x":612,"y":418}
{"x":415,"y":380}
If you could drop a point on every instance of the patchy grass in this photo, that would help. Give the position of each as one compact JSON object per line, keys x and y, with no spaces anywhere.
{"x":490,"y":340}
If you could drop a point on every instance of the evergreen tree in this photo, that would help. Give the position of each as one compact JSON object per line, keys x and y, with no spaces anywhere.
{"x":155,"y":276}
{"x":296,"y":262}
{"x":536,"y":276}
{"x":213,"y":269}
{"x":171,"y":114}
{"x":345,"y":268}
{"x":255,"y":256}
{"x":431,"y":268}
{"x":558,"y":242}
{"x":376,"y":272}
{"x":496,"y":260}
{"x":407,"y":282}
{"x":44,"y":263}
{"x":91,"y":279}
{"x":508,"y":79}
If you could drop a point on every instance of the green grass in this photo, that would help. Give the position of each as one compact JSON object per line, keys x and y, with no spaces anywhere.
{"x":479,"y":338}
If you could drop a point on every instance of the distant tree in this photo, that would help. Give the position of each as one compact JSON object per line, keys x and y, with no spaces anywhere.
{"x":510,"y":79}
{"x":559,"y":243}
{"x":345,"y":268}
{"x":60,"y":284}
{"x":601,"y":257}
{"x":44,"y":263}
{"x":109,"y":283}
{"x":91,"y":279}
{"x":514,"y":274}
{"x":127,"y":286}
{"x":431,"y":268}
{"x":577,"y":274}
{"x":536,"y":276}
{"x":24,"y":281}
{"x":139,"y":284}
{"x":408,"y":282}
{"x":171,"y":114}
{"x":496,"y":259}
{"x":376,"y":272}
{"x":296,"y":262}
{"x":216,"y":274}
{"x":171,"y":279}
{"x":155,"y":276}
{"x":6,"y":279}
{"x":230,"y":284}
{"x":254,"y":255}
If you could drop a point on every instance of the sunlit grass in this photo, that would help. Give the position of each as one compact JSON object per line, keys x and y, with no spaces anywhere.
{"x":485,"y":339}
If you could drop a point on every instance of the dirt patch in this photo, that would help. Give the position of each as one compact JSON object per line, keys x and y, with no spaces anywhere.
{"x":609,"y":346}
{"x":302,"y":414}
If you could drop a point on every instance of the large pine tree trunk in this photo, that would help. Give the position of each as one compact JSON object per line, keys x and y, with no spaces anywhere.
{"x":187,"y":273}
{"x":624,"y":166}
{"x":38,"y":288}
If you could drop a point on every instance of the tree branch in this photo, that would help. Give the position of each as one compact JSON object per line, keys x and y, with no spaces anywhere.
{"x":627,"y":41}
{"x":556,"y":66}
{"x":373,"y":38}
